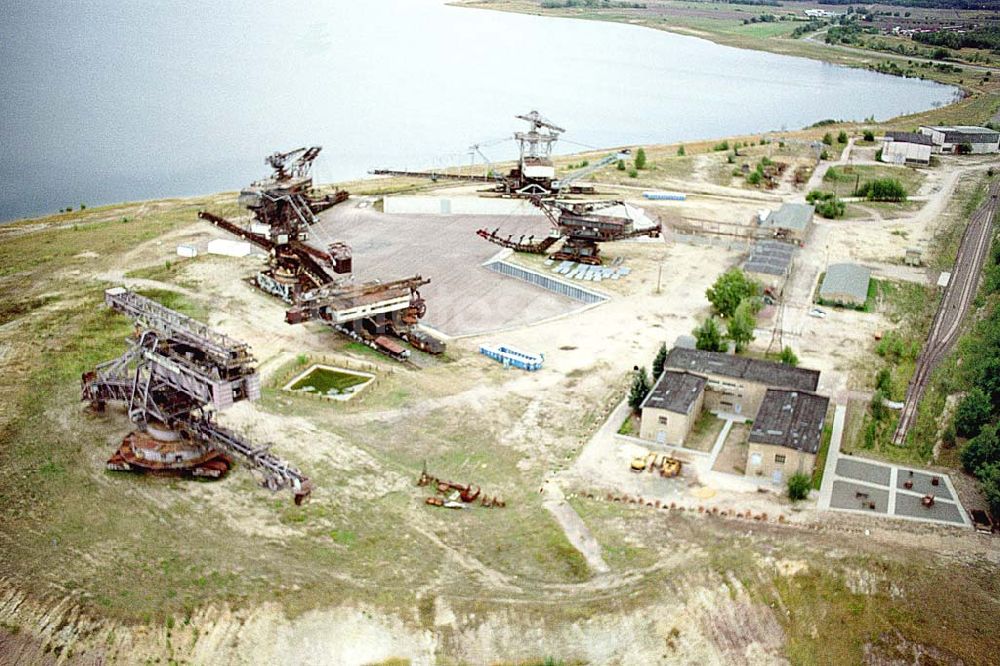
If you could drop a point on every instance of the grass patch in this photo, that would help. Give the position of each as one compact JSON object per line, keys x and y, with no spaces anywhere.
{"x":324,"y":380}
{"x":824,"y":449}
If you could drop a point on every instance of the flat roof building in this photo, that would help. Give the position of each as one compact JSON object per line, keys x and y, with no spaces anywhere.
{"x":845,"y":284}
{"x":770,"y":262}
{"x":950,"y":138}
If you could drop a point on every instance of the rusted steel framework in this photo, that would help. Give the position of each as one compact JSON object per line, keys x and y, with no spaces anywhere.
{"x":534,"y":174}
{"x":316,"y":282}
{"x":176,"y":373}
{"x":581,"y":226}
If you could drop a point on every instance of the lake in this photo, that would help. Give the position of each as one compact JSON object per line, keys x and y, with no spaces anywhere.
{"x":105,"y":101}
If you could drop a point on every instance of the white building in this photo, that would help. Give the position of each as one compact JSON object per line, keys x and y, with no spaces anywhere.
{"x":948,"y":138}
{"x":907,"y":148}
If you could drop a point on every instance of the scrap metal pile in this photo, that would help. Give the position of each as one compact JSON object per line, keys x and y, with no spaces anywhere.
{"x":581,"y":225}
{"x":451,"y":495}
{"x":318,"y":282}
{"x":534,"y":175}
{"x":176,"y":373}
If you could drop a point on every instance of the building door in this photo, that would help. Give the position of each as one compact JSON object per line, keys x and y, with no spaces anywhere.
{"x":661,"y":436}
{"x":776,"y":477}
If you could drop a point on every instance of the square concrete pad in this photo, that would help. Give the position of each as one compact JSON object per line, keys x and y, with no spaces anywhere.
{"x":463,"y":297}
{"x":922,"y":484}
{"x":909,"y":505}
{"x":844,"y":496}
{"x":863,"y":471}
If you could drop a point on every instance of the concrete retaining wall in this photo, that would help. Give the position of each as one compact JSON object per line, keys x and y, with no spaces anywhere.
{"x":546,"y":282}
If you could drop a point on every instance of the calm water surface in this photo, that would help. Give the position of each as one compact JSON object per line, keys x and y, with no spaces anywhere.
{"x":109,"y":101}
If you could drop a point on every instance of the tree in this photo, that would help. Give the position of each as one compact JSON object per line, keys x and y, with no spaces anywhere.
{"x":842,"y":137}
{"x":882,"y":189}
{"x":740,"y":327}
{"x":729,"y":290}
{"x":621,"y":165}
{"x":708,"y":336}
{"x":788,"y":357}
{"x":990,"y":479}
{"x":982,"y":450}
{"x":828,"y":139}
{"x":680,"y":151}
{"x":972,"y":413}
{"x":869,"y":135}
{"x":640,"y":389}
{"x":798,"y":486}
{"x":640,"y":158}
{"x":659,"y":361}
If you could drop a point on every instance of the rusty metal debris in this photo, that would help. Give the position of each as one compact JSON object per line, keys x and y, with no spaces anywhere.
{"x":175,"y":375}
{"x":453,"y":495}
{"x":317,"y":282}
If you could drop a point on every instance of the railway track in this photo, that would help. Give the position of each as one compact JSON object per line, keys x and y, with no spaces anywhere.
{"x":954,"y":305}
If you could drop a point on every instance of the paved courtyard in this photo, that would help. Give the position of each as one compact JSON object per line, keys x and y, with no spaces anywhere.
{"x":866,"y":486}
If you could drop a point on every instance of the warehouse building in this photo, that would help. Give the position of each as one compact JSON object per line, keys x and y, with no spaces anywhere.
{"x":907,"y":148}
{"x":845,"y":284}
{"x":786,"y":434}
{"x":951,"y":138}
{"x":672,"y":407}
{"x":791,"y":222}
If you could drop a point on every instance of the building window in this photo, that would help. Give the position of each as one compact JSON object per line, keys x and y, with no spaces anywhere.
{"x":779,"y":458}
{"x":663,"y":420}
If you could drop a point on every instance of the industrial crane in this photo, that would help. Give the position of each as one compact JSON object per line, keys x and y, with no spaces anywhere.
{"x":581,"y":225}
{"x":175,"y":375}
{"x":300,"y":168}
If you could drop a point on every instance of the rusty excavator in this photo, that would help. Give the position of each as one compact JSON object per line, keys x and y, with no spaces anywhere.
{"x":318,"y":283}
{"x":580,"y":225}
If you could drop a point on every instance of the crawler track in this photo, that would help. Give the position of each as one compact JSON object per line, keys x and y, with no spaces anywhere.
{"x":954,"y":305}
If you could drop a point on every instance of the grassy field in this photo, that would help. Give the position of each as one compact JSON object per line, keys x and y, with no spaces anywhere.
{"x":842,"y":180}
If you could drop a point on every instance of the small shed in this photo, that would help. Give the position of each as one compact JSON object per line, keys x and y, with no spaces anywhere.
{"x":770,"y":263}
{"x":790,"y":222}
{"x":846,"y":284}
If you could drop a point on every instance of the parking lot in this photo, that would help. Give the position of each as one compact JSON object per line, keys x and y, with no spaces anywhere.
{"x":866,"y":486}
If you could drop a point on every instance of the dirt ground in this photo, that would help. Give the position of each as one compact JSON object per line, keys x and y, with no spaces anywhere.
{"x":227,"y":573}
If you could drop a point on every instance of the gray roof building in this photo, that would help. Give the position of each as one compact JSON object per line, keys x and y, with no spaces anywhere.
{"x":768,"y":373}
{"x":846,"y":283}
{"x":910,"y":137}
{"x":965,"y":133}
{"x":675,"y":392}
{"x":791,"y":216}
{"x":770,"y":257}
{"x":793,"y":419}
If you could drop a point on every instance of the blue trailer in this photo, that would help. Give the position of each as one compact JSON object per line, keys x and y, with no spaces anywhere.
{"x":510,"y":356}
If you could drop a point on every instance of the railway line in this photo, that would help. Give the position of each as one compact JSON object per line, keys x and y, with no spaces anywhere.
{"x":954,"y":305}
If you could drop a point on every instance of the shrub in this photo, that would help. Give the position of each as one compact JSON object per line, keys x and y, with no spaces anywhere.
{"x":708,"y":336}
{"x":788,"y":357}
{"x":633,"y":173}
{"x":883,"y":381}
{"x":842,"y":137}
{"x":882,"y":189}
{"x":828,"y":139}
{"x":680,"y":151}
{"x":659,"y":361}
{"x":824,"y":155}
{"x":982,"y":450}
{"x":719,"y":147}
{"x":869,"y":135}
{"x":621,"y":165}
{"x":798,"y":487}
